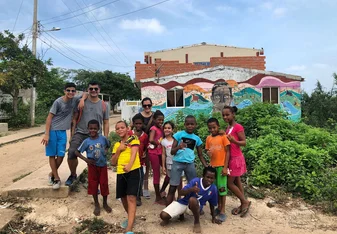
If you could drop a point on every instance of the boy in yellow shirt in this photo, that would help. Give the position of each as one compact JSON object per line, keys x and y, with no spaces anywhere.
{"x":125,"y":156}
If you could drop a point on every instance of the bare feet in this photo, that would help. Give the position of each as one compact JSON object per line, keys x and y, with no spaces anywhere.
{"x":97,"y":211}
{"x":197,"y":228}
{"x":164,"y":223}
{"x":107,"y":208}
{"x":161,"y":202}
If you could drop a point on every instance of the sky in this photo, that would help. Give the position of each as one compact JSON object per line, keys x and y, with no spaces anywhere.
{"x":298,"y":36}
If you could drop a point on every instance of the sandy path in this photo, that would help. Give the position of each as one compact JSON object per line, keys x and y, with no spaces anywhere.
{"x":25,"y":156}
{"x":61,"y":214}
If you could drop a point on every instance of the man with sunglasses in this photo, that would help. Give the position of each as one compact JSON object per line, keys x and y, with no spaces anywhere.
{"x":55,"y":137}
{"x":94,"y":108}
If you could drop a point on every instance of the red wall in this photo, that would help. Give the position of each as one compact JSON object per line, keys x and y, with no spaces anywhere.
{"x":144,"y":71}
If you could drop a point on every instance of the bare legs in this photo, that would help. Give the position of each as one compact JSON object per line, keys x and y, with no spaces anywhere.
{"x":55,"y":163}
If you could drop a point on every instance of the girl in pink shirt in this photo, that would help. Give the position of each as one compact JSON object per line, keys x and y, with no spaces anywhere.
{"x":155,"y":152}
{"x":237,"y":164}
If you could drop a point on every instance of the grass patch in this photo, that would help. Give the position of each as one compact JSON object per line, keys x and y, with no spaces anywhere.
{"x":21,"y":176}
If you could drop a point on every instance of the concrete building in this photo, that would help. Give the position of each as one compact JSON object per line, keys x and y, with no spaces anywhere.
{"x":208,"y":90}
{"x":196,"y":57}
{"x":203,"y":78}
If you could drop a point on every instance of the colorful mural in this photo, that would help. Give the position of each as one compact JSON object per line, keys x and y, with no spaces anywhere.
{"x":205,"y":96}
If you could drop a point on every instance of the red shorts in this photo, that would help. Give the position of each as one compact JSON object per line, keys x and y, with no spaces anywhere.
{"x":98,"y":176}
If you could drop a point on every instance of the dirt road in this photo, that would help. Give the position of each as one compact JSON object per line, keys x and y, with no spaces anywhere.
{"x":26,"y":156}
{"x":295,"y":217}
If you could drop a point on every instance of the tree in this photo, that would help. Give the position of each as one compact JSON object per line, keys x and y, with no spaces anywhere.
{"x":118,"y":86}
{"x":50,"y":87}
{"x":319,"y":109}
{"x":18,"y":66}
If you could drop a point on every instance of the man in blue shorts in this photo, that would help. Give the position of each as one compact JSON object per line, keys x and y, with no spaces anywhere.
{"x":196,"y":193}
{"x":55,"y":137}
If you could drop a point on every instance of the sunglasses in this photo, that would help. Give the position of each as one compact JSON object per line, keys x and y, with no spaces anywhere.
{"x":71,"y":90}
{"x":91,"y":89}
{"x":149,"y":105}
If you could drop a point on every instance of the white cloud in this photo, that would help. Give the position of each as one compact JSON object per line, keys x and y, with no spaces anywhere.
{"x":225,"y":8}
{"x":279,"y":12}
{"x":149,"y":25}
{"x":296,"y":68}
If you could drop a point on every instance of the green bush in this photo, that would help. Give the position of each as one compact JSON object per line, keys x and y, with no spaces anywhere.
{"x":295,"y":156}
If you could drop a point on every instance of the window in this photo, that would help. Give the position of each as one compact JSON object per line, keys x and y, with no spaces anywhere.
{"x":270,"y":95}
{"x":175,"y":98}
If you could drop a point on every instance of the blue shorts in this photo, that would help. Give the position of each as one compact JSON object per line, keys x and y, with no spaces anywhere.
{"x":57,"y":143}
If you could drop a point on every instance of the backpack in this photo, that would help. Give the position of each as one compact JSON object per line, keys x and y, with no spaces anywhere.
{"x":81,"y":111}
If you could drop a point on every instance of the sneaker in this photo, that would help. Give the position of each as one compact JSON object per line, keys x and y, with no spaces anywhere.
{"x":71,"y":180}
{"x":50,"y":180}
{"x":146,"y":194}
{"x":56,"y":184}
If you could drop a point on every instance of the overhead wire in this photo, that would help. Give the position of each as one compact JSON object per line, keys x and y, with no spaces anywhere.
{"x":93,"y":4}
{"x":70,"y":17}
{"x":63,"y":43}
{"x":107,"y":34}
{"x":17,"y":16}
{"x":113,"y":56}
{"x":68,"y":48}
{"x":117,"y":16}
{"x":57,"y":49}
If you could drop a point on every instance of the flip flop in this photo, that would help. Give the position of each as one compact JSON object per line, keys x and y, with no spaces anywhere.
{"x":245,"y":210}
{"x":222,"y":217}
{"x":236,"y":211}
{"x":124,"y":224}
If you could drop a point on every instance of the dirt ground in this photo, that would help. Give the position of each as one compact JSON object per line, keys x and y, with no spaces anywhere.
{"x":62,"y":215}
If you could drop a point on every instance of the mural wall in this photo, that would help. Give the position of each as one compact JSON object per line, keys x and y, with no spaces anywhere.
{"x":205,"y":96}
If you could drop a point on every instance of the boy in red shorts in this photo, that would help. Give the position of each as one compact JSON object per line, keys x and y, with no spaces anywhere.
{"x":138,"y":123}
{"x":96,"y":148}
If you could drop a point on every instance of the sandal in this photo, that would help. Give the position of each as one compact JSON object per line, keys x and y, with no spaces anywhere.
{"x":245,"y":210}
{"x":222,"y":217}
{"x":124,"y":224}
{"x":236,"y":211}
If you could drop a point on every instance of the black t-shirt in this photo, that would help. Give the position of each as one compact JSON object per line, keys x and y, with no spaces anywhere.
{"x":146,"y":122}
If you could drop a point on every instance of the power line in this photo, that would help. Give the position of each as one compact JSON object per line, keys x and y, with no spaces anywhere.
{"x":107,"y":34}
{"x":117,"y":16}
{"x":80,"y":13}
{"x":65,"y":55}
{"x":61,"y":42}
{"x":68,"y":48}
{"x":93,"y":34}
{"x":119,"y":57}
{"x":17,"y":16}
{"x":74,"y":11}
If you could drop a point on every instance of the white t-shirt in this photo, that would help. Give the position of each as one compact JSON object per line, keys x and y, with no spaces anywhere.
{"x":169,"y":158}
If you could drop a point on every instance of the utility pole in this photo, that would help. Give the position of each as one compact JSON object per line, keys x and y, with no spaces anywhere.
{"x":33,"y":91}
